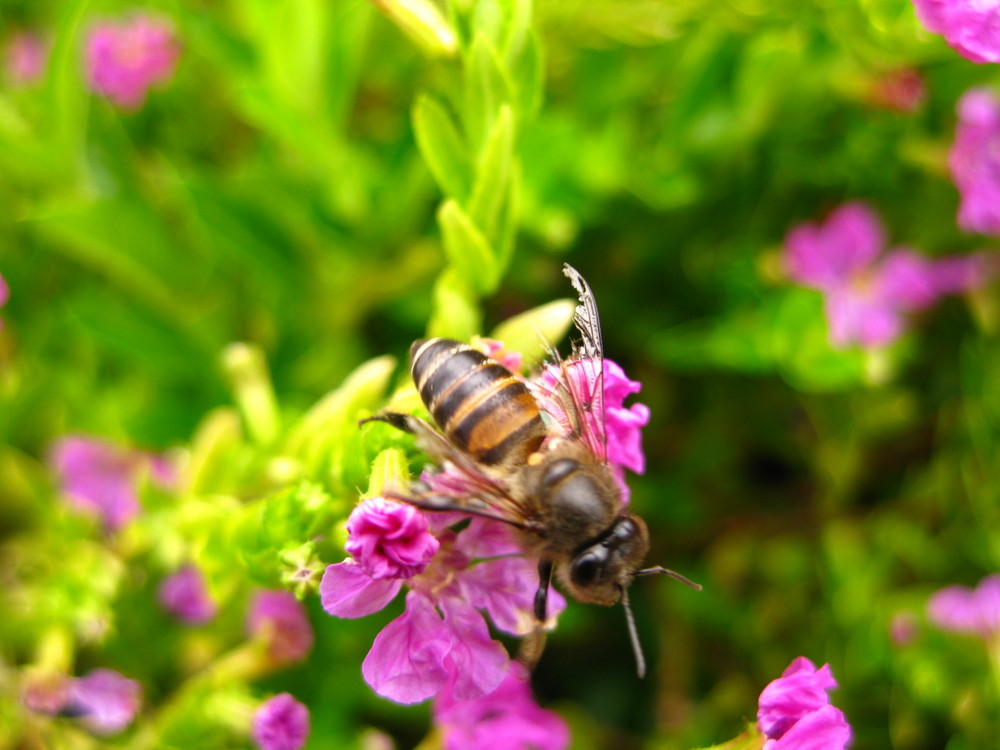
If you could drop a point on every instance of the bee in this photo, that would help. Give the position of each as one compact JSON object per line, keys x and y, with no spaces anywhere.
{"x":533,"y":455}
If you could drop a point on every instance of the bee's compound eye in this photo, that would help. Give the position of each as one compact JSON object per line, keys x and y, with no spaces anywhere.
{"x":584,"y":569}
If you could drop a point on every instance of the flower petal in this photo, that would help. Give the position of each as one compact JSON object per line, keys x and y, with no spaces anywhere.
{"x":826,"y":256}
{"x":823,"y":729}
{"x":347,"y":591}
{"x":506,"y":588}
{"x":406,"y":662}
{"x":799,"y":691}
{"x":478,"y":662}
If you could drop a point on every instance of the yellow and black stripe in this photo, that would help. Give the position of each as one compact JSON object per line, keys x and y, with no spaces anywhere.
{"x":479,"y":405}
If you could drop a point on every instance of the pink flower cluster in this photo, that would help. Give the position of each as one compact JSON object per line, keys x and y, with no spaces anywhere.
{"x":452,"y":577}
{"x":25,"y":58}
{"x":971,"y":27}
{"x":975,"y":161}
{"x":185,"y":596}
{"x":794,"y":711}
{"x":125,"y":58}
{"x":101,"y":478}
{"x":870,"y":290}
{"x":964,"y":610}
{"x":280,"y":620}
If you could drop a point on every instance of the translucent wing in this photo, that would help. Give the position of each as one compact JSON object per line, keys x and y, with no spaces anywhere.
{"x":571,"y":391}
{"x":459,"y":484}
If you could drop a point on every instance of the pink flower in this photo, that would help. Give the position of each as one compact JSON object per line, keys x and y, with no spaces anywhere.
{"x":868,"y":291}
{"x":281,"y":620}
{"x":506,"y":719}
{"x":25,"y":58}
{"x":105,"y":701}
{"x":442,"y":631}
{"x":390,"y":539}
{"x":622,"y":426}
{"x":975,"y":161}
{"x":102,"y":478}
{"x":185,"y":596}
{"x":902,"y":90}
{"x":281,"y":723}
{"x":963,"y":610}
{"x":971,"y":27}
{"x":498,"y":351}
{"x":46,"y":693}
{"x":794,"y":710}
{"x":126,"y":58}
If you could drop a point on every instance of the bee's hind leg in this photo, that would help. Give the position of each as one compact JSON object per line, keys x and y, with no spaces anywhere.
{"x":400,"y":421}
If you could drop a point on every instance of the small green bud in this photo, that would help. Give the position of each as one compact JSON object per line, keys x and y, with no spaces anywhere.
{"x":248,"y":376}
{"x":422,"y":21}
{"x":390,"y":472}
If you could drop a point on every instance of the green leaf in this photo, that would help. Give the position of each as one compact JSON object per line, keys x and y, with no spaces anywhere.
{"x":493,"y":172}
{"x":456,"y":313}
{"x":486,"y":89}
{"x":443,"y":147}
{"x":467,"y":250}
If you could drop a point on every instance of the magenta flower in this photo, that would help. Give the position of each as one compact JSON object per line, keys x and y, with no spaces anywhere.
{"x":4,"y":295}
{"x":971,"y":27}
{"x":868,"y":292}
{"x":101,"y":478}
{"x":185,"y":596}
{"x":281,"y":620}
{"x":442,"y":631}
{"x":506,"y":719}
{"x":622,"y":426}
{"x":125,"y":58}
{"x":25,"y":58}
{"x":963,"y":610}
{"x":794,"y":710}
{"x":975,"y":161}
{"x":498,"y":351}
{"x":105,"y":701}
{"x":390,"y":539}
{"x":281,"y":723}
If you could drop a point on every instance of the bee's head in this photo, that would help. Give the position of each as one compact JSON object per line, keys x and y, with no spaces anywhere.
{"x":599,"y":572}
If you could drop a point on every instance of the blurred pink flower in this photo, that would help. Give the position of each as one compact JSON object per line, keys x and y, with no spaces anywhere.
{"x":281,"y":620}
{"x":25,"y":58}
{"x":46,"y":693}
{"x":506,"y":719}
{"x":902,"y":90}
{"x":442,"y":631}
{"x":794,"y":710}
{"x":185,"y":596}
{"x":971,"y":27}
{"x":104,"y":701}
{"x":281,"y":723}
{"x":102,"y":478}
{"x":964,"y":610}
{"x":125,"y":58}
{"x":390,"y":539}
{"x":975,"y":161}
{"x":869,"y":290}
{"x":4,"y":295}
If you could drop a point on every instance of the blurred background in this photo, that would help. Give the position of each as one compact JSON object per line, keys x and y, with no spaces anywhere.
{"x":326,"y":183}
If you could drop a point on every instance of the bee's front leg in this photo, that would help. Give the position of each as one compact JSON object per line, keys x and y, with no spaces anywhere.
{"x":542,"y":595}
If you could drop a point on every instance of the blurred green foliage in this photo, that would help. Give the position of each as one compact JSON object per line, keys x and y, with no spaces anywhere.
{"x":319,"y":185}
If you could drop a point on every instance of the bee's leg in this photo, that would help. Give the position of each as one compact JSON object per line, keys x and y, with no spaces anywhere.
{"x":542,"y":595}
{"x":532,"y":645}
{"x":397,"y":420}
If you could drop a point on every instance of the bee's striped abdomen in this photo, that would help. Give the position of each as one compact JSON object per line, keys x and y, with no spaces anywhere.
{"x":481,"y":407}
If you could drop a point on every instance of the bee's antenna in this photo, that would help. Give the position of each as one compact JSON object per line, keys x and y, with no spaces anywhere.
{"x":664,"y":571}
{"x":633,"y":634}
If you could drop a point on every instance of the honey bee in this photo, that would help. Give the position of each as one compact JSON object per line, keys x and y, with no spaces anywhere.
{"x":533,"y":455}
